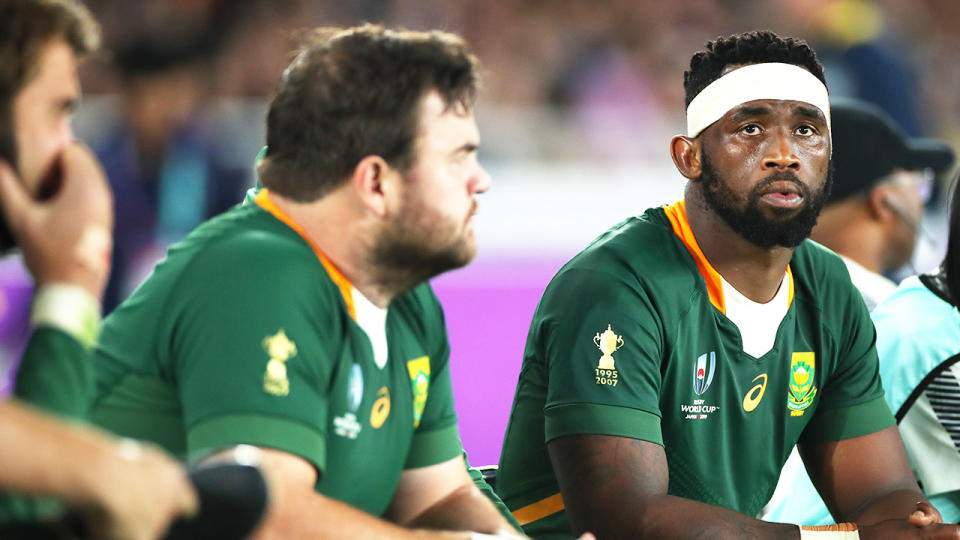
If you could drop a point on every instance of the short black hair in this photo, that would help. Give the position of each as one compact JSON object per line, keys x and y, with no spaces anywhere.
{"x":757,"y":47}
{"x":353,"y":93}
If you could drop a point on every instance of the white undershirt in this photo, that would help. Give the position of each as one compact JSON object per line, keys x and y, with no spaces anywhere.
{"x":758,"y":323}
{"x":373,"y":321}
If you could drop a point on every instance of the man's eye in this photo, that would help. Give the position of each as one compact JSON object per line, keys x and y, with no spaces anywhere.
{"x":751,"y":129}
{"x":805,"y":131}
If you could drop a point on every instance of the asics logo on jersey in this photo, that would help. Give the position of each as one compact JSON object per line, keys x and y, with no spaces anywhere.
{"x":755,"y":394}
{"x":703,"y":370}
{"x":381,"y":408}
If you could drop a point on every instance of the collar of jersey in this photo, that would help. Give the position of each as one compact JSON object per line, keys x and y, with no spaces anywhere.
{"x":346,"y":288}
{"x":677,"y":214}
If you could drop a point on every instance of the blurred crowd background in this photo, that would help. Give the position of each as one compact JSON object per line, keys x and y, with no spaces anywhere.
{"x":579,"y":101}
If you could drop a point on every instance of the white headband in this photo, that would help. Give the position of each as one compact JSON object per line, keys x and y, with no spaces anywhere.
{"x":756,"y":81}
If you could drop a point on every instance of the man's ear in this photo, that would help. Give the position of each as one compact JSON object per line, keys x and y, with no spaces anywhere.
{"x":373,"y":182}
{"x":878,"y":201}
{"x":685,"y":152}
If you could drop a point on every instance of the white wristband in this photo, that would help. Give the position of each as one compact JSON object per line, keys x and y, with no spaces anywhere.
{"x":69,"y":308}
{"x":839,"y":531}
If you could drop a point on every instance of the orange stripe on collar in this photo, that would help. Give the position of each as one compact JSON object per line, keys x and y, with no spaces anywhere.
{"x":346,"y":288}
{"x":677,"y":214}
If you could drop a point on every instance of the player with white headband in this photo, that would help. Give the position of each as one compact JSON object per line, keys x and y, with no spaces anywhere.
{"x":673,"y":364}
{"x":772,"y":80}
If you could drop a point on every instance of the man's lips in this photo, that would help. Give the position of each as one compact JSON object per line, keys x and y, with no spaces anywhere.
{"x":782,"y":194}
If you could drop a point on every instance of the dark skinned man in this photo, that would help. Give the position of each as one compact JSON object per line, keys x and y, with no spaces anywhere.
{"x":672,"y":365}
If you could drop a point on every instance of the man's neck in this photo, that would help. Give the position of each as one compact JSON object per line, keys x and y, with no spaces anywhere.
{"x":338,"y":228}
{"x":754,"y":271}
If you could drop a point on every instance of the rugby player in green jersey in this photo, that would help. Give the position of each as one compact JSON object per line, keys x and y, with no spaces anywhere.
{"x":57,"y":210}
{"x":672,"y":365}
{"x":301,"y":323}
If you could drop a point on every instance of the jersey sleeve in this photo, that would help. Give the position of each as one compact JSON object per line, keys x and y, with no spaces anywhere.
{"x":252,"y":355}
{"x":600,"y":342}
{"x":851,"y":399}
{"x":435,"y":438}
{"x":487,"y":489}
{"x":55,"y":373}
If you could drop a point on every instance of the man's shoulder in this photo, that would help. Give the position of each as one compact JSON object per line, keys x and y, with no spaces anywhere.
{"x":915,"y":310}
{"x":244,"y":249}
{"x":819,"y":271}
{"x":243,"y":234}
{"x":243,"y":244}
{"x":641,"y":251}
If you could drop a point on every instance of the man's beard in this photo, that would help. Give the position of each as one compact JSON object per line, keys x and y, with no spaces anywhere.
{"x":750,"y":222}
{"x":406,"y":253}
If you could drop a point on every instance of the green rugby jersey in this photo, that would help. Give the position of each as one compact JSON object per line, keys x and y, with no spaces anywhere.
{"x":631,"y":339}
{"x":245,"y":333}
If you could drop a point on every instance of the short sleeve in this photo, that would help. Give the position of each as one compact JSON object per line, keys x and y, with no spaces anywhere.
{"x":253,"y":356}
{"x":600,"y":341}
{"x":852,"y":401}
{"x":436,"y":438}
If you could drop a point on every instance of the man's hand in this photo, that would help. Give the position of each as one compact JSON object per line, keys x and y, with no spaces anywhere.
{"x":925,"y":514}
{"x":868,"y":490}
{"x":140,"y":492}
{"x":902,"y":528}
{"x":68,"y":237}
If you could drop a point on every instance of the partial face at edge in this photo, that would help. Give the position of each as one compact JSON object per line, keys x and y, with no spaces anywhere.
{"x":765,"y":170}
{"x":41,"y":113}
{"x":433,"y":230}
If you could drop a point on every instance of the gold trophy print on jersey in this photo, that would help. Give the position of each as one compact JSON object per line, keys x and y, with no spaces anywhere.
{"x":801,"y":391}
{"x":280,"y":349}
{"x":608,"y":342}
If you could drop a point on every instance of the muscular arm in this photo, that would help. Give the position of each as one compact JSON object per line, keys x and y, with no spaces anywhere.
{"x":298,"y":511}
{"x":864,"y":479}
{"x":443,"y":496}
{"x":616,"y":487}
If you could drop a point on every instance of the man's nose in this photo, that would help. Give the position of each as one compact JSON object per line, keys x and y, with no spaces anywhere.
{"x":481,"y":180}
{"x":780,"y":154}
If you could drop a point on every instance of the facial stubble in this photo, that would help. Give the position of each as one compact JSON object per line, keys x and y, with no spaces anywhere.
{"x":745,"y":217}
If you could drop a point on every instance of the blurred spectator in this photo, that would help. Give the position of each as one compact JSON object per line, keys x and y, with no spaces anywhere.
{"x":882,"y":179}
{"x":160,"y":156}
{"x":918,"y":340}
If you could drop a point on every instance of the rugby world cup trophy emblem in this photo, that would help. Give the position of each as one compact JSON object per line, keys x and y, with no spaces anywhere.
{"x":280,"y":349}
{"x":608,"y":342}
